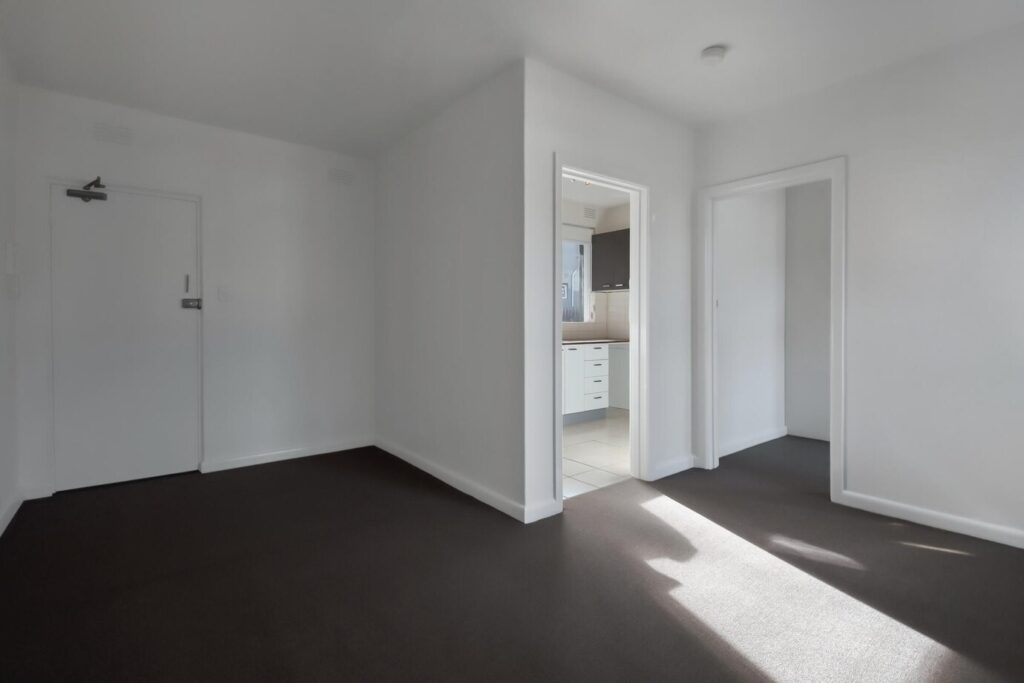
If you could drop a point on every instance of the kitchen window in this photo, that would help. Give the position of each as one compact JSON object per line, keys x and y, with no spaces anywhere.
{"x":576,"y":275}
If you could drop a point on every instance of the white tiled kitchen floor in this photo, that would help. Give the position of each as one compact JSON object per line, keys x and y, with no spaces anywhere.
{"x":595,"y":453}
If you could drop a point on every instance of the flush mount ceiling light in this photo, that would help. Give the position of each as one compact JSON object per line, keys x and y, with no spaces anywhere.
{"x":713,"y":55}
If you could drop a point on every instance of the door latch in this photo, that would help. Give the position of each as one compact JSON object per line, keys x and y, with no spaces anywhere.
{"x":191,"y":303}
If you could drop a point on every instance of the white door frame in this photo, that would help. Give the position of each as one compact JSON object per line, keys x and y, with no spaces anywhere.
{"x":639,"y":220}
{"x":833,"y":170}
{"x":67,"y":183}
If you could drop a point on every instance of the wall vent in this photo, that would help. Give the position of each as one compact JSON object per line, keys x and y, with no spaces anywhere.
{"x":108,"y":132}
{"x":590,"y":213}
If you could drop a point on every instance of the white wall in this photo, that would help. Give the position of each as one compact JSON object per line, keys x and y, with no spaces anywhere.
{"x":573,"y":213}
{"x":750,"y":288}
{"x":807,"y":310}
{"x":9,"y":497}
{"x":613,"y":218}
{"x":602,"y":133}
{"x":935,"y":302}
{"x":449,"y":306}
{"x":287,"y":250}
{"x":617,"y":304}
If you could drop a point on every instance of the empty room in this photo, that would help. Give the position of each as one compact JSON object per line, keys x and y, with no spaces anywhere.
{"x":511,"y":341}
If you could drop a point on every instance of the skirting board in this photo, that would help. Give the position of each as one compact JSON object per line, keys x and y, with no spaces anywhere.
{"x":262,"y":458}
{"x":33,"y":493}
{"x":669,"y":467}
{"x":743,"y":443}
{"x":10,"y":508}
{"x":939,"y":520}
{"x":456,"y":481}
{"x":539,"y":511}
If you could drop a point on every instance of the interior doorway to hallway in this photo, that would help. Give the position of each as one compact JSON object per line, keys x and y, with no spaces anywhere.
{"x":774,"y":317}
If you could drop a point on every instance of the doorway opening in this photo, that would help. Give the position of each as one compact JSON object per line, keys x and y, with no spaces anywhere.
{"x":600,"y":227}
{"x":773,"y":313}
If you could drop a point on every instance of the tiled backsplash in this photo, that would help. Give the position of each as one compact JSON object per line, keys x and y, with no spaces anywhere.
{"x":618,"y":315}
{"x":611,"y":319}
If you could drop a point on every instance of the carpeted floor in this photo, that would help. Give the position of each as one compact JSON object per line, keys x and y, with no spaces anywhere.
{"x":358,"y":567}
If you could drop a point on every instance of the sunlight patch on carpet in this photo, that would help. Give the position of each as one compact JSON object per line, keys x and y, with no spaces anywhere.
{"x":813,"y":552}
{"x":786,"y":623}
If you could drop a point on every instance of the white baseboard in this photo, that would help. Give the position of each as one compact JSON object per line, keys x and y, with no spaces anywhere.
{"x":457,"y":481}
{"x":33,"y":493}
{"x":8,"y":510}
{"x":940,"y":520}
{"x":262,"y":458}
{"x":815,"y":437}
{"x":665,"y":468}
{"x":539,"y":511}
{"x":745,"y":442}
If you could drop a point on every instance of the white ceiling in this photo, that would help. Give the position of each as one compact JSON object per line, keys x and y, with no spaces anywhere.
{"x":350,"y":75}
{"x":592,"y":195}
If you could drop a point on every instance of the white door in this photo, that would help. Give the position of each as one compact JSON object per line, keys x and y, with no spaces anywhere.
{"x":749,"y":270}
{"x":572,"y":379}
{"x":125,"y":353}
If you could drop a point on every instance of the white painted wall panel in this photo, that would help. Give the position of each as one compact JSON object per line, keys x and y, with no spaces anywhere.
{"x":807,"y":310}
{"x":8,"y":454}
{"x":935,"y":306}
{"x":287,"y":241}
{"x":449,"y":306}
{"x":750,"y":289}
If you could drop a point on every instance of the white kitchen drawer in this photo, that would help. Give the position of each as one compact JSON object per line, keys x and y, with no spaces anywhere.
{"x":595,"y":351}
{"x":595,"y":385}
{"x":595,"y":401}
{"x":595,"y":368}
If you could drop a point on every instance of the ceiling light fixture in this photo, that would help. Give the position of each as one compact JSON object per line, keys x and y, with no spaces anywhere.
{"x":713,"y":55}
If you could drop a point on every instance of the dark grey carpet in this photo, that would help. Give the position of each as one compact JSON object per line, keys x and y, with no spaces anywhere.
{"x":358,"y":567}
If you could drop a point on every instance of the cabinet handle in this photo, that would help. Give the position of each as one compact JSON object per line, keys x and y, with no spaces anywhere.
{"x":597,"y":365}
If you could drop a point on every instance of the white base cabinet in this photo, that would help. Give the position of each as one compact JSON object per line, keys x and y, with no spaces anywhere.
{"x":584,"y":377}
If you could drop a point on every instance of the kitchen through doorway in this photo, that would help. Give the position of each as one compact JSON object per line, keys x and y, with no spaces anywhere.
{"x":598,"y":304}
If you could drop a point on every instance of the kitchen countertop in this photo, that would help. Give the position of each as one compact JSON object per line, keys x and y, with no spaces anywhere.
{"x":593,"y":341}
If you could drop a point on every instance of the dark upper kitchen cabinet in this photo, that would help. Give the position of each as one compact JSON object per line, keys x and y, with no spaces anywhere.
{"x":610,"y":261}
